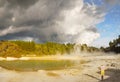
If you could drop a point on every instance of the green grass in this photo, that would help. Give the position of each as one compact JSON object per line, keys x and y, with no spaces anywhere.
{"x":34,"y":65}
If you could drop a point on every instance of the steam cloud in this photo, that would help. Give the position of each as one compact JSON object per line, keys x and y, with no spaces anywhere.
{"x":50,"y":20}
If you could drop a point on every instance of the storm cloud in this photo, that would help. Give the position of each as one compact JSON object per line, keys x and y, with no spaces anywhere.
{"x":63,"y":21}
{"x":112,"y":2}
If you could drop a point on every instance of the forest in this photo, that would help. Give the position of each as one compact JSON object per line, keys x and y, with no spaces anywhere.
{"x":30,"y":48}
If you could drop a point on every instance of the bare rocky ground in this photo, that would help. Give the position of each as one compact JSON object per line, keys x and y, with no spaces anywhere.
{"x":87,"y":72}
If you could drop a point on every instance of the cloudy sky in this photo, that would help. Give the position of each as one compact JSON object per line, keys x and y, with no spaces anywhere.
{"x":94,"y":22}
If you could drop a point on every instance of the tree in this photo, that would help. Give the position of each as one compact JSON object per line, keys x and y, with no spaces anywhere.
{"x":114,"y":46}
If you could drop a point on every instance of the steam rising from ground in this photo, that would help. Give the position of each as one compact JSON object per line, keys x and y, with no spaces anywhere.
{"x":72,"y":75}
{"x":71,"y":21}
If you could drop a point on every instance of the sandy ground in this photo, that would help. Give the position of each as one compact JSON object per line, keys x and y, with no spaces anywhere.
{"x":87,"y":72}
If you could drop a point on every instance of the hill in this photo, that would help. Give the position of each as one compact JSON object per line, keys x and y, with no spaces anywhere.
{"x":30,"y":48}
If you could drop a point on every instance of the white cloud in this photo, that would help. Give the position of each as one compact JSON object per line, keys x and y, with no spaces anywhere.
{"x":77,"y":21}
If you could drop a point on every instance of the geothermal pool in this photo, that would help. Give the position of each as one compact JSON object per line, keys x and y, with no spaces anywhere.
{"x":34,"y":65}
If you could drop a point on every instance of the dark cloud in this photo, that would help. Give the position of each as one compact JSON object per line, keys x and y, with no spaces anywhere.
{"x":20,"y":3}
{"x":112,"y":2}
{"x":92,"y":29}
{"x":49,"y":20}
{"x":2,"y":3}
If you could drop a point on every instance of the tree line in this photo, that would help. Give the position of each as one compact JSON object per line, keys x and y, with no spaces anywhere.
{"x":30,"y":48}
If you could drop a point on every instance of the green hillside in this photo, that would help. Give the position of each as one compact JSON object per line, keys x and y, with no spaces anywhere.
{"x":23,"y":48}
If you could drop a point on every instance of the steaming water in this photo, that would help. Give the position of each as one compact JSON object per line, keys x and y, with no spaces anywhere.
{"x":34,"y":65}
{"x":63,"y":75}
{"x":35,"y":70}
